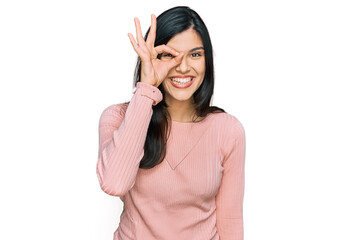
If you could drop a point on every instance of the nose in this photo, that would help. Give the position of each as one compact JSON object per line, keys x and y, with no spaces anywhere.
{"x":184,"y":65}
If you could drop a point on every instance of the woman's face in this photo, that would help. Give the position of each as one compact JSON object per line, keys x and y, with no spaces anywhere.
{"x":190,"y":71}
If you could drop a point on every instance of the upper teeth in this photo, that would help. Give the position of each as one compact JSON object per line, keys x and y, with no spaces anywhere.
{"x":181,"y":80}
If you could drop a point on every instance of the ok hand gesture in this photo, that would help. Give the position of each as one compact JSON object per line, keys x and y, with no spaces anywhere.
{"x":153,"y":70}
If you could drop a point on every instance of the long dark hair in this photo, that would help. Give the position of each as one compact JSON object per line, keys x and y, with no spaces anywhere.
{"x":170,"y":23}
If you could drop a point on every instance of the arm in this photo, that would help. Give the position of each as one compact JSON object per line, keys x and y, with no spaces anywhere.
{"x":122,"y":135}
{"x":229,"y":200}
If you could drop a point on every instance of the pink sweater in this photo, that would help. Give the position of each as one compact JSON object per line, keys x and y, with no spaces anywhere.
{"x":196,"y":193}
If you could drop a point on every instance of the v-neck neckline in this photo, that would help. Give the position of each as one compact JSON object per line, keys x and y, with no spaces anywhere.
{"x":184,"y":136}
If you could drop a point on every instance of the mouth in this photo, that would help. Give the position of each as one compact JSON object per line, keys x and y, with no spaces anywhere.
{"x":181,"y":82}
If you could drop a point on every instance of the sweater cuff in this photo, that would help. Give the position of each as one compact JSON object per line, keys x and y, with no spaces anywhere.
{"x":149,"y":91}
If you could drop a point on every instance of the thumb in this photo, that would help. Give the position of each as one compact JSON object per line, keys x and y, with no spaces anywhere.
{"x":175,"y":61}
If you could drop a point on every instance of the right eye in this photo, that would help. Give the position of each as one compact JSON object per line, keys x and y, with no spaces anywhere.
{"x":167,"y":55}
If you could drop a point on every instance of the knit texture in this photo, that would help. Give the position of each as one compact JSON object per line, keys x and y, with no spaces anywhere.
{"x":196,"y":193}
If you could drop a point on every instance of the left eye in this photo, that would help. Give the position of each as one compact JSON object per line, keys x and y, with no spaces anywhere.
{"x":196,"y":54}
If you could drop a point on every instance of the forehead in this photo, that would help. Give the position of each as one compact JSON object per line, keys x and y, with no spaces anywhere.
{"x":185,"y":41}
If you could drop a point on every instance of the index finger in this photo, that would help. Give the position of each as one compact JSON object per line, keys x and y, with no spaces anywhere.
{"x":152,"y":34}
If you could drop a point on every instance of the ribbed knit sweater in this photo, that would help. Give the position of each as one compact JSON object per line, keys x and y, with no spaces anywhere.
{"x":195,"y":193}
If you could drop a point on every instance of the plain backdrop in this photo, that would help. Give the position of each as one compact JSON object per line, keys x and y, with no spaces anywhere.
{"x":290,"y":71}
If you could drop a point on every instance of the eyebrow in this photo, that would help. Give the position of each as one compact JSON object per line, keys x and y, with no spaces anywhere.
{"x":196,"y":48}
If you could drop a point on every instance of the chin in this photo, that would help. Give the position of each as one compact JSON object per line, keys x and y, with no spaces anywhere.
{"x":182,"y":97}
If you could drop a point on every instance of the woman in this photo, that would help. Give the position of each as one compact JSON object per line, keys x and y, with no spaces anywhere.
{"x":176,"y":162}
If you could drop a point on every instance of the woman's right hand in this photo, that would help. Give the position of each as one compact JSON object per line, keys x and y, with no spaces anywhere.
{"x":153,"y":70}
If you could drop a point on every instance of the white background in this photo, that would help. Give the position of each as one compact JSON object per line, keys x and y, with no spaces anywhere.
{"x":290,"y":71}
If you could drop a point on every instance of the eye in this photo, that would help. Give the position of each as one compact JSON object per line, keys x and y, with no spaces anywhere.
{"x":167,"y":55}
{"x":196,"y":54}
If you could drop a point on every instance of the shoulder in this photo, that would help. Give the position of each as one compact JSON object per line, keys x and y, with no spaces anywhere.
{"x":116,"y":109}
{"x":231,"y":132}
{"x":114,"y":112}
{"x":229,"y":125}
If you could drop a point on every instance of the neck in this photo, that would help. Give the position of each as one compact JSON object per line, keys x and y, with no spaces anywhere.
{"x":181,"y":111}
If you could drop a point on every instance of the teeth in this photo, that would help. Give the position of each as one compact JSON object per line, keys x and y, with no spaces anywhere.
{"x":181,"y":80}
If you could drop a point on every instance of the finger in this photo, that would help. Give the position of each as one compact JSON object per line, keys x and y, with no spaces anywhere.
{"x":140,"y":39}
{"x":133,"y":42}
{"x":152,"y":34}
{"x":175,"y":61}
{"x":164,"y":48}
{"x":135,"y":46}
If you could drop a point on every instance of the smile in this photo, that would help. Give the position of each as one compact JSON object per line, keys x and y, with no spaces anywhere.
{"x":184,"y":82}
{"x":181,"y":80}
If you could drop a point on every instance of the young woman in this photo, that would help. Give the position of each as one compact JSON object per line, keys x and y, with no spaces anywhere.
{"x":176,"y":162}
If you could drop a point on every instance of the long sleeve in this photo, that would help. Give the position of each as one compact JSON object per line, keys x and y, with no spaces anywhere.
{"x":229,"y":200}
{"x":122,"y":135}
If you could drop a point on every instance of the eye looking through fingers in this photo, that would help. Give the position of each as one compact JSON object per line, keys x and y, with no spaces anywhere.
{"x":167,"y":55}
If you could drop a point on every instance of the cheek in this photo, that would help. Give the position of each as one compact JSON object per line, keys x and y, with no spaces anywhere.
{"x":200,"y":68}
{"x":164,"y":83}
